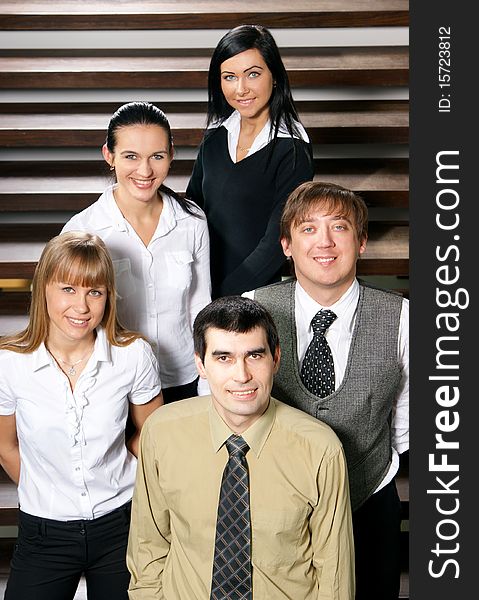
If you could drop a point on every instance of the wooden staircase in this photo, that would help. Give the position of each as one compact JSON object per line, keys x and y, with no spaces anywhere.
{"x":56,"y":98}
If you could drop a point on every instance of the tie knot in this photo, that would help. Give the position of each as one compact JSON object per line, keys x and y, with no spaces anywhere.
{"x":322,"y":320}
{"x":236,"y":445}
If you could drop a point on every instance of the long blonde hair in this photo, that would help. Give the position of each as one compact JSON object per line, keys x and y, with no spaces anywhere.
{"x":77,"y":258}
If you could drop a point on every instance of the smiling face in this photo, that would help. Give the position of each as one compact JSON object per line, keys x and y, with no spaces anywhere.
{"x":74,"y":311}
{"x":239,"y":368}
{"x":325,"y":248}
{"x":247,"y":84}
{"x":141,"y":158}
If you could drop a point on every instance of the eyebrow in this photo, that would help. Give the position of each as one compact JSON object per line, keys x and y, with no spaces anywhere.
{"x":136,"y":152}
{"x":308,"y":219}
{"x":248,"y":69}
{"x":260,"y":350}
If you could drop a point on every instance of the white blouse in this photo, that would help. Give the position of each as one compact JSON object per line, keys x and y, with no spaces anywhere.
{"x":74,"y":462}
{"x":161,"y":287}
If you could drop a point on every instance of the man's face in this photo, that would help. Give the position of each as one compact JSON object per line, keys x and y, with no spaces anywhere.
{"x":325,"y":248}
{"x":239,"y":368}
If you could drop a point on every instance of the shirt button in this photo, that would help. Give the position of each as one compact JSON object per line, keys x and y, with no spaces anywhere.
{"x":83,"y":493}
{"x":77,"y":468}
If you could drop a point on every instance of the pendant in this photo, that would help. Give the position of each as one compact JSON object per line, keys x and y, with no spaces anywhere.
{"x":71,"y":371}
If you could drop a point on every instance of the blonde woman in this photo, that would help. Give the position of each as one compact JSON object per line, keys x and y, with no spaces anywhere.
{"x":67,"y":384}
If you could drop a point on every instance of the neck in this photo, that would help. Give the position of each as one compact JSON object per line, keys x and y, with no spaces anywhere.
{"x":325,"y":296}
{"x":69,"y":350}
{"x":132,"y":209}
{"x":252,"y":126}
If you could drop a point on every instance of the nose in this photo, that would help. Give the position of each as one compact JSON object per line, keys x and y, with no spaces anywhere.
{"x":241,"y":373}
{"x":242,"y":87}
{"x":324,"y":239}
{"x":144,"y":168}
{"x":81,"y":304}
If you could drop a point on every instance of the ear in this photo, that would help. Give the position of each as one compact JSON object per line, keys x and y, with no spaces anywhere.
{"x":107,"y":155}
{"x":286,"y":247}
{"x":362,"y":245}
{"x":277,"y":359}
{"x":200,"y":366}
{"x":172,"y":152}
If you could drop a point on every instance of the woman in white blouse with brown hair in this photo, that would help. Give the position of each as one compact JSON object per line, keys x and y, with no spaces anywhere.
{"x":67,"y":385}
{"x":158,"y":241}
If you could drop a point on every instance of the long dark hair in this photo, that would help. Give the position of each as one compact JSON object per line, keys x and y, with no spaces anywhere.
{"x":145,"y":113}
{"x":281,"y":104}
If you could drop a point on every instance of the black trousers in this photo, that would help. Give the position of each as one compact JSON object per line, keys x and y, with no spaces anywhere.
{"x":180,"y":392}
{"x":51,"y":556}
{"x":377,"y":539}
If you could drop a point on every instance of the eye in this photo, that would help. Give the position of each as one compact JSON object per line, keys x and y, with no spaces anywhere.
{"x":340,"y":227}
{"x":68,"y":289}
{"x":229,"y":77}
{"x":130,"y":156}
{"x":96,"y":293}
{"x":308,"y":229}
{"x":253,"y":74}
{"x":255,"y":355}
{"x":158,"y":156}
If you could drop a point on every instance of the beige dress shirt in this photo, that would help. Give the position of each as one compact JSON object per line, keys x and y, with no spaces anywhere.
{"x":302,"y":545}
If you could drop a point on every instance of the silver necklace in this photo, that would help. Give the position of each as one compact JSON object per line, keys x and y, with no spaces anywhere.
{"x":71,"y":371}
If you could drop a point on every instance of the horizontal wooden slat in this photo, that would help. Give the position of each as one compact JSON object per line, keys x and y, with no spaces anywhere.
{"x":204,"y":14}
{"x":363,"y":125}
{"x":307,"y":67}
{"x":74,"y":185}
{"x":387,"y":252}
{"x":8,"y":501}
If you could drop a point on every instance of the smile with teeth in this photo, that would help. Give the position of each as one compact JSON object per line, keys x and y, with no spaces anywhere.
{"x":77,"y":321}
{"x":324,"y":260}
{"x":142,"y":181}
{"x":243,"y":393}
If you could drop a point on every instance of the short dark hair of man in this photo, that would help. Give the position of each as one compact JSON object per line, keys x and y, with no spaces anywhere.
{"x":236,"y":314}
{"x":331,"y":197}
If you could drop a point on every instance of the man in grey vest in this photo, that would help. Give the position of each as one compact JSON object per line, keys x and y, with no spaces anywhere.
{"x":345,"y":361}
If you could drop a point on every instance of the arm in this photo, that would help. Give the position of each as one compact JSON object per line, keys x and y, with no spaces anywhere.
{"x":9,"y":451}
{"x":400,"y":420}
{"x":150,"y":535}
{"x":139,"y":414}
{"x":267,"y":258}
{"x":331,"y":531}
{"x":194,"y":190}
{"x":200,"y":290}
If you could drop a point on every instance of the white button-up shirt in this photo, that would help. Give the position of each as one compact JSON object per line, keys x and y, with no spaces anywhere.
{"x":233,"y":125}
{"x":74,"y":462}
{"x":161,"y":287}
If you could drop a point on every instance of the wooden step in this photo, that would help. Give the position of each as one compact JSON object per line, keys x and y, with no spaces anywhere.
{"x":8,"y":501}
{"x":387,"y":252}
{"x":370,"y":122}
{"x":74,"y":185}
{"x":201,"y":14}
{"x":188,"y":68}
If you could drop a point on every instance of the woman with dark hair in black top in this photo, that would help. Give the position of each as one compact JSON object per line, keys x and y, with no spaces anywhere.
{"x":254,"y":153}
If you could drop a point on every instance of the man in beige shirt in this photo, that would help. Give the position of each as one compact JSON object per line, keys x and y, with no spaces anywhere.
{"x":300,"y":546}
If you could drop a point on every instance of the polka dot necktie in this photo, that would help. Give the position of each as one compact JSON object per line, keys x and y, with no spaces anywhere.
{"x":232,"y":558}
{"x":317,"y":371}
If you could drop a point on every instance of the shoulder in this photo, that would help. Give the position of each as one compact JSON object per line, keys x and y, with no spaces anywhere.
{"x":316,"y":435}
{"x":381,"y":296}
{"x":274,"y":289}
{"x":95,"y":215}
{"x":182,"y":415}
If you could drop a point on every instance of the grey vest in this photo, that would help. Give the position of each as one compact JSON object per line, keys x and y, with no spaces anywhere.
{"x":360,"y":410}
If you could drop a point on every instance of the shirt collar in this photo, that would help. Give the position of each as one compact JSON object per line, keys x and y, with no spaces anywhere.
{"x":233,"y":123}
{"x":111,"y":215}
{"x":341,"y":307}
{"x":102,"y":351}
{"x":255,"y":436}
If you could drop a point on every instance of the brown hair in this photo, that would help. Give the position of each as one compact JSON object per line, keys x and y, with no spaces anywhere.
{"x":329,"y":196}
{"x":77,"y":258}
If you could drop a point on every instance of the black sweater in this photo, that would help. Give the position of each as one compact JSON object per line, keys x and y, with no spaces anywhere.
{"x":243,"y":202}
